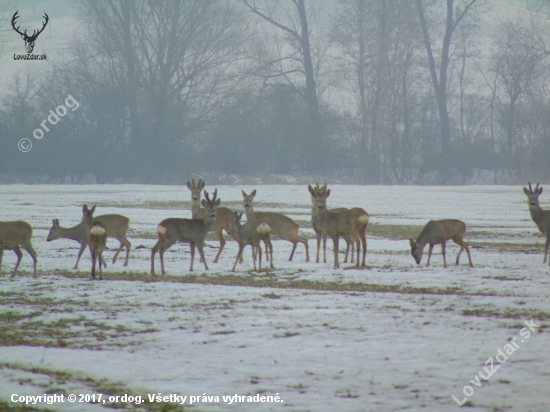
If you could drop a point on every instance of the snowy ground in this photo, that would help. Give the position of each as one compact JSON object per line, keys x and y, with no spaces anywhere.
{"x":393,"y":336}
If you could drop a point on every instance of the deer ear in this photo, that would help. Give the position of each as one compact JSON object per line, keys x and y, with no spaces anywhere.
{"x":525,"y":191}
{"x":189,"y":185}
{"x":53,"y":222}
{"x":57,"y":222}
{"x":217,"y":202}
{"x":92,"y":210}
{"x":310,"y":189}
{"x":540,"y":190}
{"x":203,"y":202}
{"x":253,"y":193}
{"x":327,"y":193}
{"x":202,"y":185}
{"x":412,"y":242}
{"x":244,"y":193}
{"x":84,"y":209}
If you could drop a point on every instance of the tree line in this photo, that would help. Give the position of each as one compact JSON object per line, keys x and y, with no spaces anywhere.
{"x":376,"y":91}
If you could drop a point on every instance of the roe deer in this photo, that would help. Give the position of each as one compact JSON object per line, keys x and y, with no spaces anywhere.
{"x":97,"y":240}
{"x":281,"y":225}
{"x":223,"y":215}
{"x":193,"y":231}
{"x":13,"y":235}
{"x":116,"y":225}
{"x":351,"y":223}
{"x":319,"y":232}
{"x":250,"y":234}
{"x":439,"y":231}
{"x":539,"y":216}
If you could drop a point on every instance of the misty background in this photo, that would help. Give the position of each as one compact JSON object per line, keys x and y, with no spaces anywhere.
{"x":365,"y":91}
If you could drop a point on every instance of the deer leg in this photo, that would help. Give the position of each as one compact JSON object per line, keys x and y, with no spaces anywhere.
{"x":358,"y":243}
{"x":294,"y":244}
{"x":335,"y":240}
{"x":443,"y":244}
{"x":99,"y":260}
{"x":324,"y":247}
{"x":468,"y":252}
{"x":192,"y":247}
{"x":93,"y":264}
{"x":19,"y":256}
{"x":318,"y":236}
{"x":306,"y":244}
{"x":260,"y":260}
{"x":271,"y":253}
{"x":547,"y":246}
{"x":219,"y":235}
{"x":118,"y":251}
{"x":239,"y":255}
{"x":200,"y":246}
{"x":429,"y":254}
{"x":346,"y":239}
{"x":460,"y":243}
{"x":153,"y":252}
{"x":31,"y":252}
{"x":128,"y":246}
{"x":82,"y":247}
{"x":266,"y":250}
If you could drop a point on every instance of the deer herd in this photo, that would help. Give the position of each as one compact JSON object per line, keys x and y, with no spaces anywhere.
{"x":349,"y":224}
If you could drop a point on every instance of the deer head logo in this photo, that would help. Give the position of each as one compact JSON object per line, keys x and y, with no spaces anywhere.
{"x":29,"y":40}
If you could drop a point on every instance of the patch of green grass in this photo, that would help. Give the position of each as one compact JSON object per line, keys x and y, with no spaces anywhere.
{"x":276,"y":283}
{"x":507,"y":313}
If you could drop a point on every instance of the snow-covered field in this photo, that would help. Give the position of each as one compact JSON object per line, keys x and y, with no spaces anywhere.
{"x":393,"y":336}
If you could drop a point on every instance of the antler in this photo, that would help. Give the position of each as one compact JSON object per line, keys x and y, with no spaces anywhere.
{"x":15,"y":16}
{"x":214,"y":195}
{"x":537,"y":188}
{"x":35,"y":35}
{"x":530,"y":188}
{"x":207,"y":197}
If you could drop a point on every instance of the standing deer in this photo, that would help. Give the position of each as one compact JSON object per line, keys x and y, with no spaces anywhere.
{"x":439,"y":231}
{"x":116,"y":226}
{"x":251,"y":233}
{"x":97,"y":240}
{"x":13,"y":235}
{"x":281,"y":225}
{"x":223,"y":215}
{"x":319,"y":233}
{"x":185,"y":230}
{"x":539,"y":216}
{"x":350,"y":223}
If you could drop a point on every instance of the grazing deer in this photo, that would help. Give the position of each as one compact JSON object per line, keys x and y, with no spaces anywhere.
{"x":116,"y":226}
{"x":13,"y":235}
{"x":351,"y":223}
{"x":185,"y":230}
{"x":223,"y":215}
{"x":251,"y":233}
{"x":281,"y":225}
{"x":539,"y":216}
{"x":97,"y":239}
{"x":319,"y":233}
{"x":439,"y":231}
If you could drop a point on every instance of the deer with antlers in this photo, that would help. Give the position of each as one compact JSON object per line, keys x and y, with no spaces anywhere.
{"x":194,"y":231}
{"x":223,"y":215}
{"x":539,"y":216}
{"x":29,"y":40}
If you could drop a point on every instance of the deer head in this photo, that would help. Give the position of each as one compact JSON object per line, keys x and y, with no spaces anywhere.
{"x":29,"y":40}
{"x":533,"y":195}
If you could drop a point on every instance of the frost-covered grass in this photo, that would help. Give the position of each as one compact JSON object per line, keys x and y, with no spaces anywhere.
{"x":392,"y":336}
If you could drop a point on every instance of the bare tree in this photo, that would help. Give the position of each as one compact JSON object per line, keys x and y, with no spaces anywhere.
{"x":294,"y":58}
{"x":439,"y":75}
